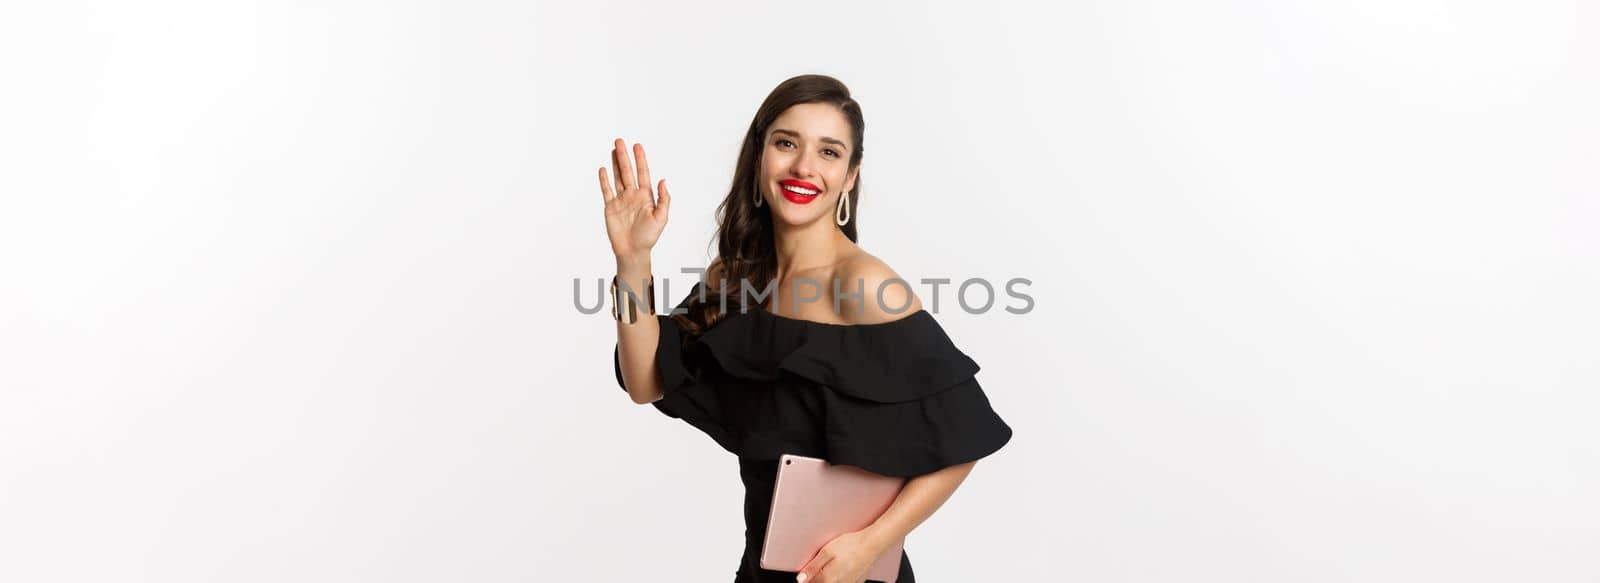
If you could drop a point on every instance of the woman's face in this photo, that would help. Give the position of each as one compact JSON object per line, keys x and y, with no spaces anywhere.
{"x":805,"y":163}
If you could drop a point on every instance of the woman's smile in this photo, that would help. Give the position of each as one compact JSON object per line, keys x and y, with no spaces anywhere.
{"x":799,"y":191}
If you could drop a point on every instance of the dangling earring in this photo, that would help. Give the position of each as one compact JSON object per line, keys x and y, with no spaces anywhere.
{"x":759,"y":200}
{"x":842,"y":214}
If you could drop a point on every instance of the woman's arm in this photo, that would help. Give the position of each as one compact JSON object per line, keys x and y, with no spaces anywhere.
{"x":921,"y":496}
{"x":637,"y":342}
{"x":635,"y":217}
{"x":848,"y":556}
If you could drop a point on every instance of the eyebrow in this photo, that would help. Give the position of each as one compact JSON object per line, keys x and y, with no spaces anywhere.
{"x":824,"y":139}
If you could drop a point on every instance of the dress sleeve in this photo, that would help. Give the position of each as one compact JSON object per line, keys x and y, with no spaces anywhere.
{"x":897,"y":398}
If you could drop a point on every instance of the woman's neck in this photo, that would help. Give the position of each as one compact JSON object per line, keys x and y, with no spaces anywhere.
{"x":808,"y":247}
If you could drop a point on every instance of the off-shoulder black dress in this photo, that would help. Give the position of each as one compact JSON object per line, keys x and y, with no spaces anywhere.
{"x":896,"y":398}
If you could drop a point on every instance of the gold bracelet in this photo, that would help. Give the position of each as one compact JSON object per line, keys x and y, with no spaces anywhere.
{"x":625,"y":303}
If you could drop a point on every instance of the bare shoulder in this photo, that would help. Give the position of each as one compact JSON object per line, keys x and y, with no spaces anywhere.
{"x":885,"y":295}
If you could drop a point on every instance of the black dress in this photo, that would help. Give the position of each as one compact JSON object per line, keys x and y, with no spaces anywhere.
{"x":895,"y":398}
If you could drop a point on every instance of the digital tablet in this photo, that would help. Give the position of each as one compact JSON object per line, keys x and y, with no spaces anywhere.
{"x":815,"y":501}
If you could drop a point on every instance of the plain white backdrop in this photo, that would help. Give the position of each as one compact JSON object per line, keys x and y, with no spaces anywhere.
{"x":286,"y":287}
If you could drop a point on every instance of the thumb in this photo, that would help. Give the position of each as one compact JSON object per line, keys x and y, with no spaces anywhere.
{"x":663,"y":200}
{"x":809,"y":571}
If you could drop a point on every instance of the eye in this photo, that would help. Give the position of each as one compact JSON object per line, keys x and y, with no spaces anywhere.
{"x":830,"y":151}
{"x":782,"y":141}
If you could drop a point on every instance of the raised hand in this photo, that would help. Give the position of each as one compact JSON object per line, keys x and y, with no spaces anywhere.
{"x":634,"y":216}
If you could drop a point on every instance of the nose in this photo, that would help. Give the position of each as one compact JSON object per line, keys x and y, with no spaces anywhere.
{"x":801,"y":166}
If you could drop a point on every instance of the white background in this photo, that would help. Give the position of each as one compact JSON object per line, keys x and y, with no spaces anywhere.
{"x":286,"y":287}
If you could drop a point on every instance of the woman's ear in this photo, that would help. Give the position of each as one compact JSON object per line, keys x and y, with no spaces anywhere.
{"x":850,"y":180}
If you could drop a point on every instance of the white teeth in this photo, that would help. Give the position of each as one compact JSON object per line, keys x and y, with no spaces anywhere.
{"x":798,"y":190}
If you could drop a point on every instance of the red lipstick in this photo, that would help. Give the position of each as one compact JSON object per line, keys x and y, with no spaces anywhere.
{"x":804,"y":187}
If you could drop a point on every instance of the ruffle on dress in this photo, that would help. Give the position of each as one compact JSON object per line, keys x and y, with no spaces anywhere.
{"x":896,"y":398}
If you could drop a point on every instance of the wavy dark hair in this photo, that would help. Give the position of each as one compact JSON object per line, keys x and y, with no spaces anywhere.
{"x":746,"y":250}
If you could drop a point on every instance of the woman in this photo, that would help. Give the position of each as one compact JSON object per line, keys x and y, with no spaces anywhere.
{"x":873,"y":383}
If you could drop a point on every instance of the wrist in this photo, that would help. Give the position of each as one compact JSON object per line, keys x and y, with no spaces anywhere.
{"x":632,"y":300}
{"x":633,"y":271}
{"x":878,"y":536}
{"x":633,"y":263}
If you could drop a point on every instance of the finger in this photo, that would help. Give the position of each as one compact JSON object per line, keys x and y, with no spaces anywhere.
{"x":644,"y":165}
{"x":812,"y":567}
{"x":663,"y":200}
{"x":616,"y":166}
{"x":605,"y":185}
{"x":626,"y":170}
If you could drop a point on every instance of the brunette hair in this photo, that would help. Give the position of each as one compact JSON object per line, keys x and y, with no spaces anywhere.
{"x":746,"y":250}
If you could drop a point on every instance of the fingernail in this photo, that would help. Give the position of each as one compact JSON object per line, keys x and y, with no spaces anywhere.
{"x":801,"y":577}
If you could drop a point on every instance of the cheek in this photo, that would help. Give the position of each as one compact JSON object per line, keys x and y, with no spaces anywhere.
{"x":772,"y":166}
{"x":836,"y":180}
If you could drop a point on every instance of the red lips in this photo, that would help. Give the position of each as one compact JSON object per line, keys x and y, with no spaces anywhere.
{"x":796,"y":197}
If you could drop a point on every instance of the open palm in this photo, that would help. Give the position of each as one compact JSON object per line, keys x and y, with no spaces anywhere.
{"x":634,"y":216}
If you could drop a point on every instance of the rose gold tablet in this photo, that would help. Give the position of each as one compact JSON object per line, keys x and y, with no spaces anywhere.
{"x":815,"y":501}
